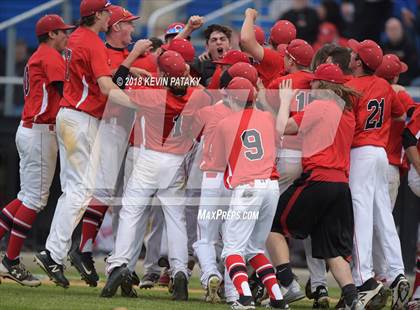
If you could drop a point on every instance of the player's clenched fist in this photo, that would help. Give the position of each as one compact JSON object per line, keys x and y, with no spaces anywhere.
{"x":251,"y":13}
{"x":142,"y":46}
{"x":195,"y":22}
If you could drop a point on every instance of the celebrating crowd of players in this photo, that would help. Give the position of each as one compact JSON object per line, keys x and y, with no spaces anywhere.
{"x":313,"y":143}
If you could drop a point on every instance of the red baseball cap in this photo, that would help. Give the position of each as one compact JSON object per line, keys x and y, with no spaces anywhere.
{"x":300,"y":51}
{"x":182,"y":46}
{"x":245,"y":70}
{"x":172,"y":63}
{"x":330,"y":73}
{"x":90,"y":7}
{"x":282,"y":32}
{"x":232,"y":57}
{"x":49,"y":23}
{"x":368,"y":51}
{"x":174,"y":28}
{"x":327,"y":32}
{"x":259,"y":34}
{"x":119,"y":14}
{"x":240,"y":83}
{"x":390,"y":67}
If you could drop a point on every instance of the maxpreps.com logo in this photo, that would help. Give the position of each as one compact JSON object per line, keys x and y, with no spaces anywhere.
{"x":224,"y":215}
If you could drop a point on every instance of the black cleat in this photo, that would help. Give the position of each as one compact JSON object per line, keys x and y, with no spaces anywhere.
{"x":127,"y":289}
{"x":278,"y":304}
{"x":149,"y":280}
{"x":321,"y":298}
{"x":180,"y":286}
{"x":135,"y":279}
{"x":308,"y":290}
{"x":84,"y":264}
{"x":17,"y":272}
{"x":115,"y":279}
{"x":243,"y":303}
{"x":51,"y":268}
{"x":163,"y":262}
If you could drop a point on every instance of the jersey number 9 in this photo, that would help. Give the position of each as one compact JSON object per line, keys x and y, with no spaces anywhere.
{"x":251,"y":139}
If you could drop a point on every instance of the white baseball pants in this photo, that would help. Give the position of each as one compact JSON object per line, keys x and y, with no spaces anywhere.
{"x":414,"y":180}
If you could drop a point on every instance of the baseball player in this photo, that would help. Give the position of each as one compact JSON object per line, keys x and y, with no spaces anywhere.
{"x":411,"y":144}
{"x":374,"y":111}
{"x":390,"y":69}
{"x":205,"y":122}
{"x":36,"y":142}
{"x":87,"y":86}
{"x":319,"y":202}
{"x":269,"y":62}
{"x":114,"y":136}
{"x":245,"y":140}
{"x":297,"y":58}
{"x":411,"y":131}
{"x":158,"y":172}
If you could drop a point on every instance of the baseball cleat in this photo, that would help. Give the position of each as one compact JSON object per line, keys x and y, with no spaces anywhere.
{"x":372,"y":294}
{"x":51,"y":268}
{"x":116,"y":278}
{"x":213,"y":286}
{"x":308,"y":290}
{"x":321,"y":298}
{"x":135,"y":279}
{"x":356,"y":305}
{"x":278,"y":304}
{"x":149,"y":280}
{"x":18,"y":273}
{"x":84,"y":264}
{"x":180,"y":286}
{"x":293,"y":292}
{"x":243,"y":303}
{"x":164,"y":278}
{"x":400,"y":290}
{"x":127,"y":289}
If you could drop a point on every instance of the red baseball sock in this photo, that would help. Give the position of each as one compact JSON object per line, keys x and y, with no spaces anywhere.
{"x":236,"y":267}
{"x":91,"y":222}
{"x":265,"y":272}
{"x":22,"y":223}
{"x":416,"y":291}
{"x":7,"y":215}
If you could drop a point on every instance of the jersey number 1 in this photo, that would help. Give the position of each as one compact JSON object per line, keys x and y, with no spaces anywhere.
{"x":251,"y":139}
{"x":376,"y":107}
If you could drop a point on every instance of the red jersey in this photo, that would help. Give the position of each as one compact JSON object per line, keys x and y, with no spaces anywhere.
{"x":164,"y":127}
{"x":86,"y":61}
{"x":215,"y":80}
{"x":327,"y":133}
{"x":300,"y":80}
{"x":42,"y":99}
{"x":394,"y":148}
{"x":271,"y":66}
{"x":206,"y":121}
{"x":374,"y":110}
{"x":245,"y":141}
{"x":414,"y":125}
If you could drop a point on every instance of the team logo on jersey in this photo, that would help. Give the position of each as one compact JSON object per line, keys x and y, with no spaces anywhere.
{"x":26,"y":81}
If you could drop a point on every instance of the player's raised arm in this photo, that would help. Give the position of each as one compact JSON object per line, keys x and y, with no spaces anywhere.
{"x":248,"y":41}
{"x":283,"y":123}
{"x":194,"y":22}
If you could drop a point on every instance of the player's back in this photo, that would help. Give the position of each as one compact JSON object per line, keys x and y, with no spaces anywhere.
{"x":163,"y":116}
{"x":249,"y":146}
{"x":373,"y":110}
{"x":44,"y":67}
